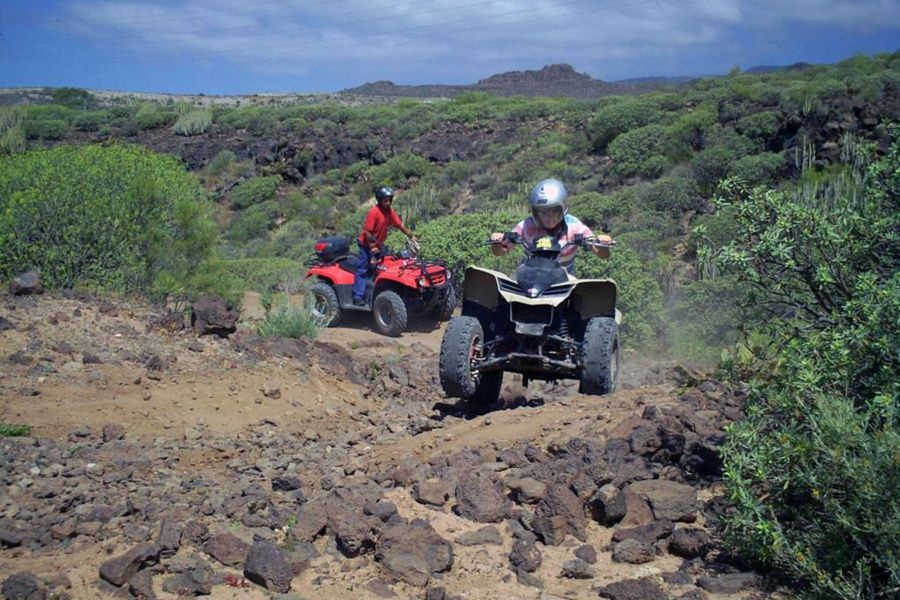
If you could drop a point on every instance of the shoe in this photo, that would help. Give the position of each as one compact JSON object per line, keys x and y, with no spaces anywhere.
{"x":359,"y":302}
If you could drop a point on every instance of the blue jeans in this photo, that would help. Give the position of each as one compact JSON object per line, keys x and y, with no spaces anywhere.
{"x":363,"y":265}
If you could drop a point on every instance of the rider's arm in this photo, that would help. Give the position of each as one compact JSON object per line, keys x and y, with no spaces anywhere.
{"x":396,"y":222}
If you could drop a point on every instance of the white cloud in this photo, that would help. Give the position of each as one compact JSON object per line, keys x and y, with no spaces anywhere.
{"x":397,"y":38}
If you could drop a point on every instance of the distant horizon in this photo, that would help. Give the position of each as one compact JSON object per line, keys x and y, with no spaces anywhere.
{"x":241,"y":47}
{"x":296,"y":93}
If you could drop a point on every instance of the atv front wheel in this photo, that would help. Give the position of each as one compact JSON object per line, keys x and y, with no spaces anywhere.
{"x":390,"y":313}
{"x":323,"y":304}
{"x":444,"y":310}
{"x":600,"y":367}
{"x":461,"y":348}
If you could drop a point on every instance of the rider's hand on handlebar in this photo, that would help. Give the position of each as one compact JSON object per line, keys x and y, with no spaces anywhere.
{"x":500,"y":238}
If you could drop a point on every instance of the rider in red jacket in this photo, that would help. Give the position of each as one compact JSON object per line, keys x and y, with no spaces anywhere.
{"x":379,"y":219}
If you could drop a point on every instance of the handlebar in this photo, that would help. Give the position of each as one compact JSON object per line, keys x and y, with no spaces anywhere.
{"x":511,"y":237}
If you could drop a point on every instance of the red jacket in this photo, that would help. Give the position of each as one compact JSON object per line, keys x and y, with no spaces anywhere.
{"x":377,"y":224}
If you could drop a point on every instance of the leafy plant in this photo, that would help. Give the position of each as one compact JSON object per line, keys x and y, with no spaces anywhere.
{"x":13,"y":430}
{"x":193,"y":123}
{"x":284,"y":320}
{"x":255,"y":190}
{"x":813,"y":470}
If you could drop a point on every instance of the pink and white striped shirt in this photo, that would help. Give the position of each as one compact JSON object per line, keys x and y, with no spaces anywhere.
{"x":531,"y":231}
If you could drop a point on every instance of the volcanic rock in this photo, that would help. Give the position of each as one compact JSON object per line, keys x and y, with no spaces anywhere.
{"x":668,"y":500}
{"x":119,"y":570}
{"x":227,"y":548}
{"x":211,"y":315}
{"x":634,"y":589}
{"x":480,"y":498}
{"x":413,"y":552}
{"x":267,"y":566}
{"x":27,"y":283}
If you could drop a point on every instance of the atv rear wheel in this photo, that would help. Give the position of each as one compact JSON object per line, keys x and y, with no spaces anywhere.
{"x":461,"y":348}
{"x":390,"y":313}
{"x":600,"y":368}
{"x":444,"y":310}
{"x":323,"y":304}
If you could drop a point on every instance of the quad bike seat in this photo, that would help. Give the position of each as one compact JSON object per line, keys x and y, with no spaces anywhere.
{"x":347,"y":263}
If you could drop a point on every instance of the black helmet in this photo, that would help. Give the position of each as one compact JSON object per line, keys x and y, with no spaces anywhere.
{"x":384,"y":191}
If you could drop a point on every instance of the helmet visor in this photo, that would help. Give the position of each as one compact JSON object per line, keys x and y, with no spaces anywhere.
{"x":548,"y":217}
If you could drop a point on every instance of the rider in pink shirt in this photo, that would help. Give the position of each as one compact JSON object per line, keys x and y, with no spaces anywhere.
{"x":549,"y":216}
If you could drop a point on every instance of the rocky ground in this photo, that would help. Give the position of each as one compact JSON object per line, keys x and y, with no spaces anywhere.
{"x":164,"y":464}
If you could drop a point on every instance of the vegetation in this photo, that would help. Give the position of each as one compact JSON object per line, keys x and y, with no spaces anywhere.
{"x":285,"y":320}
{"x":119,"y":217}
{"x":193,"y":123}
{"x":813,"y":471}
{"x":12,"y":430}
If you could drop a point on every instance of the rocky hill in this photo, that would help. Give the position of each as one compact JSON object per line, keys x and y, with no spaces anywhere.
{"x":162,"y":463}
{"x":551,"y":80}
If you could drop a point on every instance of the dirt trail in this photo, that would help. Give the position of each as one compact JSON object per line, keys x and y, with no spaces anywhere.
{"x":134,"y":427}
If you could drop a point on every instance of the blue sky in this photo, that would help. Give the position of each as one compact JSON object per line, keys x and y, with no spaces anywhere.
{"x":304,"y":46}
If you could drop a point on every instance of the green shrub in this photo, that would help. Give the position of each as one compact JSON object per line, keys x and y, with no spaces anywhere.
{"x":691,"y":129}
{"x":674,"y":195}
{"x":639,"y":296}
{"x":253,"y":222}
{"x":641,"y":152}
{"x":149,"y":116}
{"x":813,"y":471}
{"x":73,"y":98}
{"x":118,"y":217}
{"x":89,"y":121}
{"x":400,"y":168}
{"x":626,"y":114}
{"x":704,"y":320}
{"x":762,"y":168}
{"x":193,"y":123}
{"x":50,"y":129}
{"x":12,"y":140}
{"x":255,"y":190}
{"x":284,"y":320}
{"x":11,"y":430}
{"x":762,"y":127}
{"x":220,"y":162}
{"x":594,"y":208}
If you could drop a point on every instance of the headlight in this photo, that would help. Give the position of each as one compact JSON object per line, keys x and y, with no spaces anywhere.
{"x":422,"y":281}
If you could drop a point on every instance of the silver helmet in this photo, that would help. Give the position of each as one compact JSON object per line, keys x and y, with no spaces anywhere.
{"x":548,"y":203}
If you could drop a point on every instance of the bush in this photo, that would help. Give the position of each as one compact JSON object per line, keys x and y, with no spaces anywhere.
{"x":400,"y":168}
{"x":691,"y":129}
{"x":149,"y":116}
{"x":284,"y":320}
{"x":813,"y":471}
{"x":89,"y":121}
{"x":120,"y":218}
{"x":12,"y":430}
{"x":624,"y":115}
{"x":673,"y":195}
{"x":50,"y":129}
{"x":704,"y":320}
{"x":12,"y":140}
{"x":193,"y":123}
{"x":762,"y":168}
{"x":641,"y":152}
{"x":253,"y":222}
{"x":762,"y":128}
{"x":639,"y":296}
{"x":73,"y":98}
{"x":255,"y":190}
{"x":220,"y":162}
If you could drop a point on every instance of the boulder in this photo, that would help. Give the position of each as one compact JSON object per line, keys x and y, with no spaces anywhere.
{"x":668,"y":500}
{"x":267,"y":566}
{"x":608,"y":505}
{"x":561,"y":501}
{"x":577,"y":569}
{"x":413,"y":551}
{"x":688,"y":543}
{"x":633,"y":552}
{"x":227,"y":548}
{"x":119,"y":570}
{"x":647,"y":534}
{"x":27,"y":283}
{"x":525,"y":556}
{"x":486,"y":535}
{"x":480,"y":498}
{"x":730,"y":583}
{"x":634,"y":589}
{"x":23,"y":586}
{"x":211,"y":315}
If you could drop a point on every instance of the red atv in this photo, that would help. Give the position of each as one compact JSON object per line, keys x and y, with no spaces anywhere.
{"x":401,"y":283}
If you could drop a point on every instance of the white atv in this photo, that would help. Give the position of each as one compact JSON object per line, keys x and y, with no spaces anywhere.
{"x":542,"y":323}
